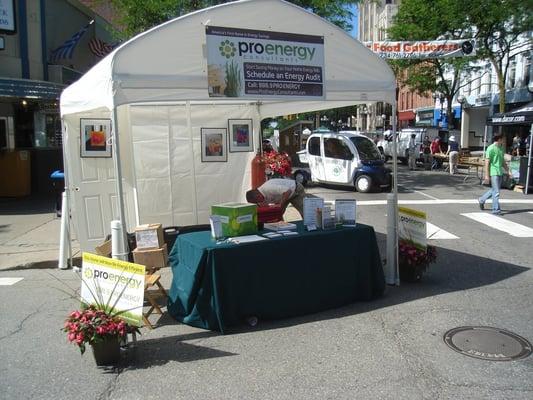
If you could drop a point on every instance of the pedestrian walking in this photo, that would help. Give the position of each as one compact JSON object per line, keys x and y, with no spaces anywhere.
{"x":412,"y":152}
{"x":453,"y":153}
{"x":426,"y":153}
{"x":494,"y":169}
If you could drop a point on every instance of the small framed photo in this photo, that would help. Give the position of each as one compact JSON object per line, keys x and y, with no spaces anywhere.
{"x":240,"y":135}
{"x":95,"y":134}
{"x":214,"y":144}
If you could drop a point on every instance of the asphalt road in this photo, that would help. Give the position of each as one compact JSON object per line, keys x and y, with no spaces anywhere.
{"x":390,"y":348}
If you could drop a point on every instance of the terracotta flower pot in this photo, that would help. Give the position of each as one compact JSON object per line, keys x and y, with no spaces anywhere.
{"x":107,"y":351}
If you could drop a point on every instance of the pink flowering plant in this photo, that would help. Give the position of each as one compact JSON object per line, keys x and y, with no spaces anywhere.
{"x":411,"y":256}
{"x":92,"y":325}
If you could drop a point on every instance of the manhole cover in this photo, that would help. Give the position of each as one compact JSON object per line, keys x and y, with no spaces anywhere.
{"x":487,"y":343}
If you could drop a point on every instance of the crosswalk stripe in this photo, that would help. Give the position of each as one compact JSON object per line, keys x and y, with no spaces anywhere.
{"x":441,"y":201}
{"x":9,"y":281}
{"x":501,"y":224}
{"x":434,"y":232}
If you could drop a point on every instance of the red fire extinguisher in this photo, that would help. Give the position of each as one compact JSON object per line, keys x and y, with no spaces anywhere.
{"x":258,"y":170}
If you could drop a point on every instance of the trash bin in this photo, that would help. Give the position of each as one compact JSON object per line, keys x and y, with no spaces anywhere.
{"x":58,"y":181}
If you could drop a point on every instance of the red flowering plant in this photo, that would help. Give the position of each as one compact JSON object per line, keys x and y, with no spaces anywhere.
{"x":92,"y":325}
{"x":278,"y":165}
{"x":413,"y":257}
{"x":100,"y":320}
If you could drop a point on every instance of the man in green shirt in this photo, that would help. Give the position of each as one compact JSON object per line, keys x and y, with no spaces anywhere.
{"x":494,"y":169}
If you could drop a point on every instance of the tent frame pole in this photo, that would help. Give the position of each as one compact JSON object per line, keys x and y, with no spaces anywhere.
{"x":392,"y":276}
{"x":529,"y":161}
{"x":118,"y":177}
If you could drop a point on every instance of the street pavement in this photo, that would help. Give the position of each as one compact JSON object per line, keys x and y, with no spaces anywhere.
{"x":390,"y":348}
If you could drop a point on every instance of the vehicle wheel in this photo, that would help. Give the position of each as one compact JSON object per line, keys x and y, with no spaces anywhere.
{"x":363,"y":183}
{"x":300,"y":178}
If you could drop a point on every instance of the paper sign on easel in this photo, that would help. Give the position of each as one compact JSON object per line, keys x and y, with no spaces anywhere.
{"x":412,"y":226}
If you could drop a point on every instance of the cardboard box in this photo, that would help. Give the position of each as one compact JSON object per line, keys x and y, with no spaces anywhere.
{"x":149,"y":236}
{"x":153,"y":259}
{"x":104,"y":249}
{"x":237,"y":218}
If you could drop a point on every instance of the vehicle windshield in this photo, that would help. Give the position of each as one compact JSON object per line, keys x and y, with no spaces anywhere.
{"x":366,"y":148}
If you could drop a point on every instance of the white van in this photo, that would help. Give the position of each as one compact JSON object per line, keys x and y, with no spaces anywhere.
{"x":402,"y":152}
{"x":344,"y":158}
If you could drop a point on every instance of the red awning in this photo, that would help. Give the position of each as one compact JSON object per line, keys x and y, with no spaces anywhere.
{"x":406,"y":115}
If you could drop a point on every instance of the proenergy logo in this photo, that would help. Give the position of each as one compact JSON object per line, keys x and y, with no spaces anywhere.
{"x":97,"y":274}
{"x":285,"y":50}
{"x":227,"y":49}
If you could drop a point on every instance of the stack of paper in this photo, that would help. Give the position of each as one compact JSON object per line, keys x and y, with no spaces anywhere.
{"x":280,"y":226}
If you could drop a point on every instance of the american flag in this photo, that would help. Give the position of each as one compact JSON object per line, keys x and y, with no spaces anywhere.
{"x":66,"y":49}
{"x":100,"y":48}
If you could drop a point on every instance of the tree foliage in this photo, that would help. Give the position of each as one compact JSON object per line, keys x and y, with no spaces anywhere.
{"x":137,"y":16}
{"x":431,"y":20}
{"x":498,"y":26}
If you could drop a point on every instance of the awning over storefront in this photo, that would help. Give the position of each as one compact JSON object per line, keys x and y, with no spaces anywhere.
{"x":30,"y":89}
{"x":406,"y":115}
{"x":443,"y":121}
{"x":520,"y":116}
{"x":424,"y":116}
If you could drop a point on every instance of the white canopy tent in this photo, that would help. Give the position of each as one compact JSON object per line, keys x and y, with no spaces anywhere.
{"x":154,"y":89}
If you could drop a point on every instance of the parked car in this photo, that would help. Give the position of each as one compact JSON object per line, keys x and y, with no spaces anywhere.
{"x":385,"y":145}
{"x":343,"y":158}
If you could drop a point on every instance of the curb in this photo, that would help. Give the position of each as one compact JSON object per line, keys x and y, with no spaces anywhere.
{"x":49,"y":264}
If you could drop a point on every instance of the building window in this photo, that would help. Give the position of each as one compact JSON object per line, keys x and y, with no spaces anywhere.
{"x":527,"y":69}
{"x":511,"y":80}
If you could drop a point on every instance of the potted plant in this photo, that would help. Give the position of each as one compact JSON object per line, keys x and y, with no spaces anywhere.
{"x":102,"y":329}
{"x":414,"y":261}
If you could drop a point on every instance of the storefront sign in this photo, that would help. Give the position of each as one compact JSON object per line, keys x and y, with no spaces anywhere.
{"x":118,"y":285}
{"x":423,"y":49}
{"x":7,"y":16}
{"x":263,"y":64}
{"x":412,"y":226}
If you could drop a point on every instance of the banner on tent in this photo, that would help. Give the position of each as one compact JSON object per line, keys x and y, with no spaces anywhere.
{"x":263,"y":64}
{"x":423,"y":49}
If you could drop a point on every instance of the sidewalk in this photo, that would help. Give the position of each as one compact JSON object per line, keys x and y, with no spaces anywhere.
{"x":29,"y":234}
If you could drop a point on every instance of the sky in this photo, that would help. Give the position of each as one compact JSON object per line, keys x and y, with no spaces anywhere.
{"x":353,"y":9}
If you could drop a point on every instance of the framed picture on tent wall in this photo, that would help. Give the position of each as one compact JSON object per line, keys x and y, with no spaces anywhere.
{"x":214,"y":144}
{"x":240,"y":135}
{"x":95,"y":134}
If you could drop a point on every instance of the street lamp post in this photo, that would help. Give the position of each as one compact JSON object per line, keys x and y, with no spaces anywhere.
{"x":465,"y":122}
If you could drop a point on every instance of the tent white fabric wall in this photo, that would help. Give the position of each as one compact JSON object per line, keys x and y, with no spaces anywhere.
{"x":156,"y":83}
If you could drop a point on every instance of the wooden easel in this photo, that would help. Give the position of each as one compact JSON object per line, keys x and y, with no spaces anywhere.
{"x":152,"y":295}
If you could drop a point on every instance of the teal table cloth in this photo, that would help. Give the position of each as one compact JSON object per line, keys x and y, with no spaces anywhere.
{"x":219,"y":285}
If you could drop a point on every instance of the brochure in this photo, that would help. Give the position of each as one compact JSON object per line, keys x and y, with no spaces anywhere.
{"x":345,"y":212}
{"x":311,"y":204}
{"x":328,"y":222}
{"x":216,"y":226}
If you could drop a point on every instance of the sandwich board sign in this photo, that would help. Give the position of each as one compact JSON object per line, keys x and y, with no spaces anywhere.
{"x":412,"y":227}
{"x":115,"y":285}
